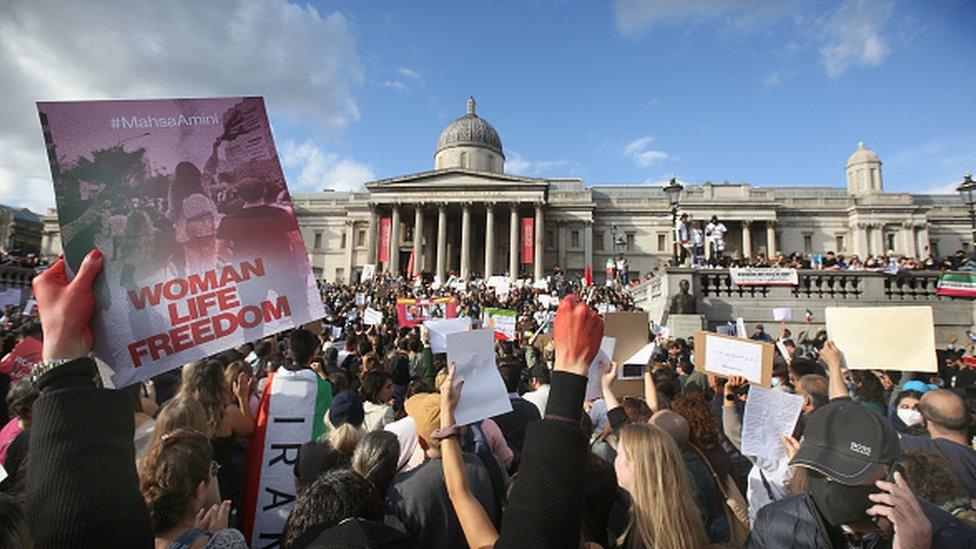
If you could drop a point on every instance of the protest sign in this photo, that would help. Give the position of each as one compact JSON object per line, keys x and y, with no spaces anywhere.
{"x":541,"y":284}
{"x":502,"y":321}
{"x":372,"y":317}
{"x":360,"y":299}
{"x":209,"y":254}
{"x":438,"y":330}
{"x":631,"y":331}
{"x":411,"y":312}
{"x":604,"y":355}
{"x":17,"y":364}
{"x":769,"y":415}
{"x":633,"y":367}
{"x":29,"y":307}
{"x":336,"y":332}
{"x":10,"y":296}
{"x":782,"y":313}
{"x":884,"y":338}
{"x":733,"y":356}
{"x":497,"y":280}
{"x":484,"y":393}
{"x":740,"y":328}
{"x":369,"y":270}
{"x":755,"y":276}
{"x":957,"y":285}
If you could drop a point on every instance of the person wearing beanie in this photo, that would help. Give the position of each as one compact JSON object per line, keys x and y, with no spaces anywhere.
{"x":419,"y":497}
{"x":343,"y":422}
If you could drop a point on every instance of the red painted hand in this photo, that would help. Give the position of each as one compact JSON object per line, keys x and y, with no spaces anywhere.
{"x":577,"y":333}
{"x":66,"y":307}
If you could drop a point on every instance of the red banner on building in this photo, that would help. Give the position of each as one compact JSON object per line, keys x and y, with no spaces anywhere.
{"x":528,"y":239}
{"x":383,"y":254}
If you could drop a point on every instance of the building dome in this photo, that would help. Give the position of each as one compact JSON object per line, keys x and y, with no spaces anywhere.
{"x":863,"y":172}
{"x":469,"y":142}
{"x":862,"y":155}
{"x":470,"y":131}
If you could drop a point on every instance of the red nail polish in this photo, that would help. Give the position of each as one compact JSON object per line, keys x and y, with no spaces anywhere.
{"x":96,"y":254}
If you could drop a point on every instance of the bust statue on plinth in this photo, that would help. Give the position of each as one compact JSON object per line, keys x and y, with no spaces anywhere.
{"x":683,"y":303}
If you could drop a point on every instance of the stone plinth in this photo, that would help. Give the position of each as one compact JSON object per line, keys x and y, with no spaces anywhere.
{"x":685,"y":325}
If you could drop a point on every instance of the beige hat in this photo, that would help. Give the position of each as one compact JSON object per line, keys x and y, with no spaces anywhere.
{"x":425,"y":410}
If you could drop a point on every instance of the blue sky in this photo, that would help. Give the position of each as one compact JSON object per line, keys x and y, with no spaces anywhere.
{"x":771,"y":93}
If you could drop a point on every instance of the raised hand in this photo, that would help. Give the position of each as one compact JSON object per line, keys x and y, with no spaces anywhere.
{"x":577,"y":333}
{"x":450,"y":395}
{"x":899,"y":505}
{"x":66,"y":307}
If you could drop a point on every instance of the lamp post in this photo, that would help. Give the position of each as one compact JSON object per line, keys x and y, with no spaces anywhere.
{"x":967,"y":190}
{"x":673,"y":191}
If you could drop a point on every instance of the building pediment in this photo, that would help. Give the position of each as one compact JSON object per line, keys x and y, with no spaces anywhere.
{"x":455,"y":178}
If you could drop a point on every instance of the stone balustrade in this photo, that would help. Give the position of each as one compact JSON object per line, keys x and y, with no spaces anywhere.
{"x":718,"y":300}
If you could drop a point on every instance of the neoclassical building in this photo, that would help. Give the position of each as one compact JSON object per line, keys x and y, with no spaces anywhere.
{"x":467,"y":216}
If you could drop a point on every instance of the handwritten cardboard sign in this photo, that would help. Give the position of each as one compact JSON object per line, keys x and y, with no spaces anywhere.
{"x":732,"y":356}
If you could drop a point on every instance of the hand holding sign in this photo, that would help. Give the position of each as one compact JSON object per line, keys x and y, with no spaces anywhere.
{"x":577,"y":333}
{"x":66,"y":307}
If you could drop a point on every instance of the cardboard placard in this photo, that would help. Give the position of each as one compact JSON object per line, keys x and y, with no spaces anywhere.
{"x":731,"y":356}
{"x":884,"y":338}
{"x":632,"y":332}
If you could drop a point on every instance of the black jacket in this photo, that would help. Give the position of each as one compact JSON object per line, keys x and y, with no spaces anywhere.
{"x":82,"y":486}
{"x":794,"y":522}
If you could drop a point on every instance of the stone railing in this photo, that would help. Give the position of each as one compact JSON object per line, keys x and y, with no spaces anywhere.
{"x":718,"y":300}
{"x":15,"y":277}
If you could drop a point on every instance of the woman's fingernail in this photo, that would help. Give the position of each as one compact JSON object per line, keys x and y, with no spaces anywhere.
{"x":96,"y":253}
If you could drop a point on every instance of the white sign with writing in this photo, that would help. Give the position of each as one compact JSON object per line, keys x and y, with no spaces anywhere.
{"x":484,"y":393}
{"x":372,"y":317}
{"x":438,"y":330}
{"x":782,"y":313}
{"x":769,"y":415}
{"x":731,"y":357}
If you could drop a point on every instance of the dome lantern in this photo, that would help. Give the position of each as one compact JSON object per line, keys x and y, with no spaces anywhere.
{"x":470,"y":143}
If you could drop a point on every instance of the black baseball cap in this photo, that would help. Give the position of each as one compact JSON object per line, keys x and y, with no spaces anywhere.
{"x":847,"y":442}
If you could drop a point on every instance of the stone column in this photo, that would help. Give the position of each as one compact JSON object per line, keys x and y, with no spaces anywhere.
{"x":538,"y":241}
{"x":441,"y":240}
{"x":418,"y":238}
{"x":489,"y":239}
{"x":770,"y":238}
{"x":465,"y":240}
{"x":588,"y":245}
{"x":746,"y":239}
{"x":923,"y":245}
{"x":561,"y":244}
{"x":513,"y":243}
{"x":877,"y":239}
{"x":395,"y":240}
{"x":350,"y":246}
{"x":370,"y":235}
{"x":908,"y":239}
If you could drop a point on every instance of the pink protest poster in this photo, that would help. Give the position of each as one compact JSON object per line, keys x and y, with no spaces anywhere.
{"x":187,"y":201}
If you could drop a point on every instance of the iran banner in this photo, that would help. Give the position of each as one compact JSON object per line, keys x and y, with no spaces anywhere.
{"x":957,"y":285}
{"x":291,"y":413}
{"x":528,"y":239}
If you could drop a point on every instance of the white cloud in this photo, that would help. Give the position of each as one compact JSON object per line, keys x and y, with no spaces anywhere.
{"x":853,"y":35}
{"x":772,"y":80}
{"x":406,"y":79}
{"x":636,"y":16}
{"x":302,"y":61}
{"x":312,"y":169}
{"x":637,"y":151}
{"x":514,"y":163}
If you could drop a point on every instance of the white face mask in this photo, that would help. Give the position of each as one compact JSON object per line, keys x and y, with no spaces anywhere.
{"x":909,"y":417}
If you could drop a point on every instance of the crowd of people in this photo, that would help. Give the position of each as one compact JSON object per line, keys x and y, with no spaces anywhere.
{"x":702,"y":245}
{"x":876,"y":459}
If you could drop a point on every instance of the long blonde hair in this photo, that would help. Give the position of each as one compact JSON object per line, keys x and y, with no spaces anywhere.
{"x":343,"y":438}
{"x":663,"y":512}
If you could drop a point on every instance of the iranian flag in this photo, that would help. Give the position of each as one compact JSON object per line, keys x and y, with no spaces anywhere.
{"x":291,"y":413}
{"x":957,"y":284}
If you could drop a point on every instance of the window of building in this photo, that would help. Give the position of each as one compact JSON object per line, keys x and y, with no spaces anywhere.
{"x":934,"y":248}
{"x":662,"y":242}
{"x":342,"y":242}
{"x":630,"y":242}
{"x":840,"y":243}
{"x":408,"y":233}
{"x":808,"y":243}
{"x":598,"y":241}
{"x":361,"y":238}
{"x":318,"y":240}
{"x":550,"y":239}
{"x":340,"y":273}
{"x":889,"y":242}
{"x":574,"y":239}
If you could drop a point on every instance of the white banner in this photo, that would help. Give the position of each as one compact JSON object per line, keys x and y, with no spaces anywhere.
{"x":764,"y":277}
{"x":372,"y":317}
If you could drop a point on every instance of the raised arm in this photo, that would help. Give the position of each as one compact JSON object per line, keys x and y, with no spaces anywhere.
{"x":477,"y":526}
{"x":650,"y":391}
{"x":831,"y":356}
{"x":83,"y":490}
